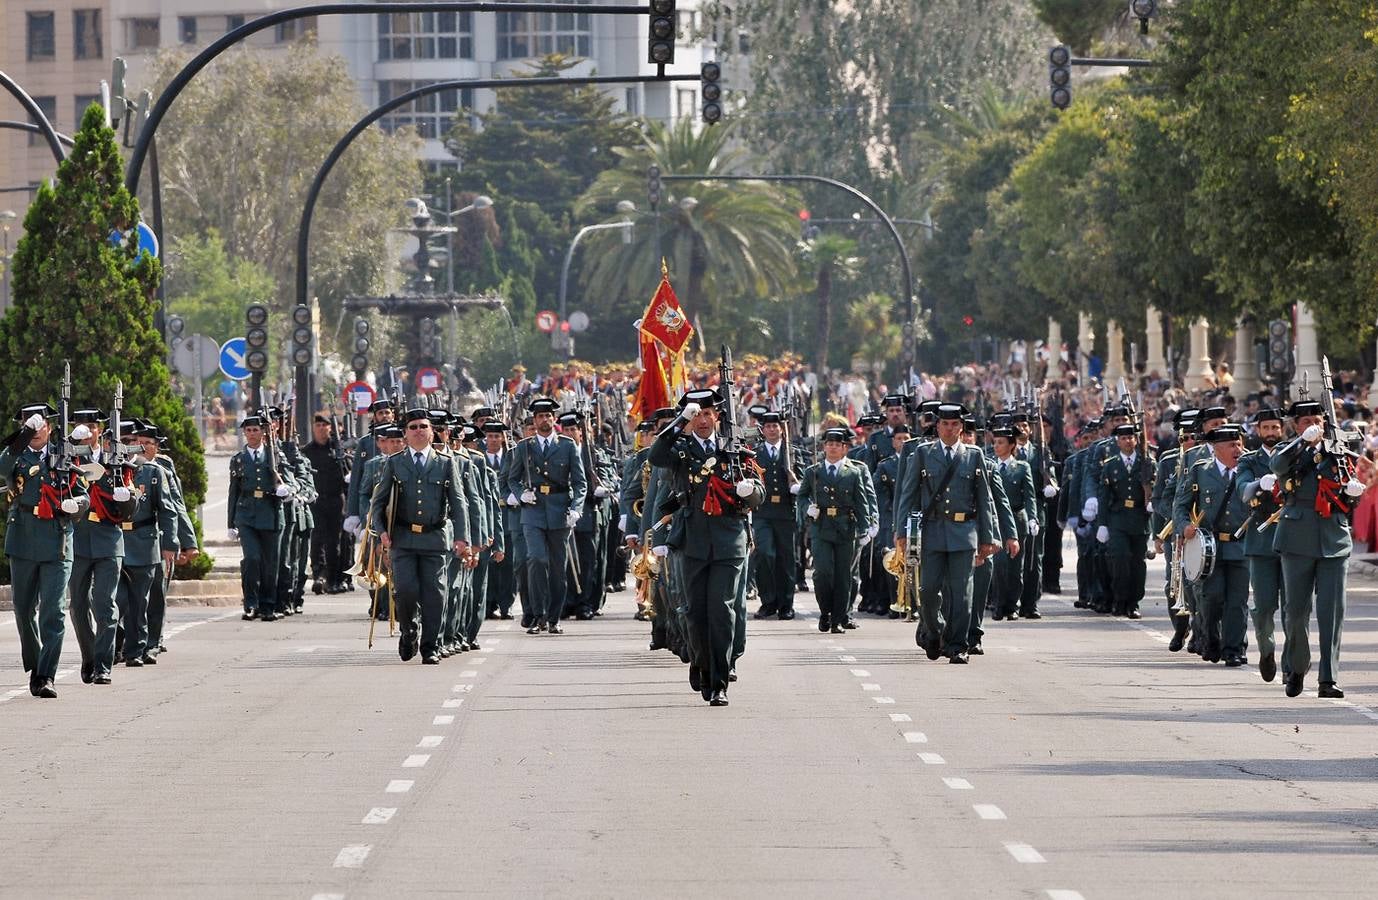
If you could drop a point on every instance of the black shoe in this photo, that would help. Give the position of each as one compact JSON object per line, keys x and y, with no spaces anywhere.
{"x":431,"y":659}
{"x":695,"y":679}
{"x":1080,"y":604}
{"x":542,"y":625}
{"x":998,"y":617}
{"x":473,"y":645}
{"x":407,"y":645}
{"x":248,"y":616}
{"x":976,"y":650}
{"x":447,"y":650}
{"x":318,"y":586}
{"x":285,"y":611}
{"x":1234,"y":662}
{"x":824,"y":623}
{"x":269,"y":616}
{"x":836,"y":629}
{"x":505,"y":616}
{"x":150,"y":660}
{"x":133,"y":663}
{"x":785,"y":615}
{"x":88,"y":672}
{"x":34,"y":684}
{"x":731,"y":677}
{"x":297,"y":609}
{"x":492,"y":614}
{"x":1330,"y":690}
{"x":959,"y":658}
{"x":46,"y":690}
{"x":1268,"y":666}
{"x":528,"y":621}
{"x":555,"y":628}
{"x":719,"y":698}
{"x":1294,"y":685}
{"x":1135,"y":614}
{"x":850,"y":625}
{"x":764,"y":612}
{"x":583,"y":615}
{"x":102,"y":678}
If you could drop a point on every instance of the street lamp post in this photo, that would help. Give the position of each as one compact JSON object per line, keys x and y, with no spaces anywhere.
{"x":6,"y":216}
{"x":625,"y":207}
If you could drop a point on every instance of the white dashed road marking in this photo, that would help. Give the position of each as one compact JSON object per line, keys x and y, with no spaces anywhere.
{"x":932,"y":759}
{"x":900,"y":717}
{"x":430,"y":740}
{"x":884,"y":699}
{"x":353,"y":856}
{"x":861,"y":673}
{"x":847,"y":658}
{"x":988,"y":811}
{"x":443,"y":720}
{"x":399,"y":786}
{"x":1056,"y":894}
{"x":1024,"y":853}
{"x":453,"y":703}
{"x":869,"y":686}
{"x":915,"y":737}
{"x":416,"y":760}
{"x":957,"y":784}
{"x":379,"y":815}
{"x":469,"y":673}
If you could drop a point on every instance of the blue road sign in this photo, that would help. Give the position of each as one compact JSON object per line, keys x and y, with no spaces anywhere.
{"x":232,"y":359}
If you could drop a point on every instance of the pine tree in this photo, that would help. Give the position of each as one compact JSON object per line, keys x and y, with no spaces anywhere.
{"x":78,"y":297}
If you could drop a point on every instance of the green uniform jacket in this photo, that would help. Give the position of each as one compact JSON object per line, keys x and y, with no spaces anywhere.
{"x":1252,"y":467}
{"x":846,"y":503}
{"x":1302,"y":531}
{"x":1122,"y":500}
{"x":97,"y":538}
{"x":186,"y":531}
{"x":779,"y":501}
{"x":1205,"y":487}
{"x":27,"y":536}
{"x":1016,"y":477}
{"x":963,"y":515}
{"x":1071,"y":499}
{"x":155,"y":519}
{"x":431,"y":513}
{"x":633,"y":489}
{"x":694,"y":532}
{"x":252,"y":502}
{"x":1164,"y":490}
{"x":357,"y":499}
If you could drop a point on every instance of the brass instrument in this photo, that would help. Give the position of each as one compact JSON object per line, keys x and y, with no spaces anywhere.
{"x":894,"y":563}
{"x":645,"y":567}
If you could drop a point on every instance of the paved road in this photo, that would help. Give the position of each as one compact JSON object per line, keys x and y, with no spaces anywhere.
{"x":1077,"y":758}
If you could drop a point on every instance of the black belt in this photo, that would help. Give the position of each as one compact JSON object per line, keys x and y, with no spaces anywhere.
{"x":420,"y":529}
{"x":143,"y":523}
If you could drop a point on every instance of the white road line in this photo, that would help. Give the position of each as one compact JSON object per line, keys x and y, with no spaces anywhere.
{"x":884,"y":699}
{"x":327,"y":897}
{"x":507,"y":627}
{"x":63,"y":673}
{"x":399,"y":786}
{"x":469,"y":673}
{"x":9,"y":696}
{"x":416,"y":760}
{"x":477,"y":660}
{"x":379,"y":815}
{"x":1023,"y":853}
{"x":1059,"y":894}
{"x":846,"y":659}
{"x":957,"y":784}
{"x":495,"y":641}
{"x":443,"y":720}
{"x":429,"y":741}
{"x":483,"y":650}
{"x":988,"y":811}
{"x":353,"y":856}
{"x":462,"y":688}
{"x":861,"y":673}
{"x":838,"y":649}
{"x":870,"y":686}
{"x":900,"y":717}
{"x":453,"y":703}
{"x":6,"y":622}
{"x":915,"y":737}
{"x":932,"y":759}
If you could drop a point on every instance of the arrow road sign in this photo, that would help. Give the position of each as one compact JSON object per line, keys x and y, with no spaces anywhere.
{"x":232,"y":359}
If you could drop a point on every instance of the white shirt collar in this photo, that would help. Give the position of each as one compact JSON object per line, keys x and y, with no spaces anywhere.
{"x":425,"y":455}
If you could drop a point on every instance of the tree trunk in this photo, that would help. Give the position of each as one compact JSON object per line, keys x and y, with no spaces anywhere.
{"x":698,"y":272}
{"x":825,"y":318}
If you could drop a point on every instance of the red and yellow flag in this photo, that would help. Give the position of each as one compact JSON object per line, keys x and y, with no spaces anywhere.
{"x":664,"y":319}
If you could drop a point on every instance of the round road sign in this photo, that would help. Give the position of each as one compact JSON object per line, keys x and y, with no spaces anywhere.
{"x":546,"y":321}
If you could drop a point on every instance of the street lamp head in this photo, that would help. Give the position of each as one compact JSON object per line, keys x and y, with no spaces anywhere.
{"x":626,"y":207}
{"x":688,"y":203}
{"x":8,"y":214}
{"x":483,"y":201}
{"x":416,"y":208}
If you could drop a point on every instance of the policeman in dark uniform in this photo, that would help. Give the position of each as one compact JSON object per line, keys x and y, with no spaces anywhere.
{"x":773,"y":525}
{"x":330,"y":469}
{"x":885,"y":482}
{"x":356,"y":501}
{"x":1262,"y":493}
{"x":837,"y":503}
{"x":502,"y":585}
{"x":256,"y":519}
{"x":1122,"y":516}
{"x":1017,"y":480}
{"x":150,"y":546}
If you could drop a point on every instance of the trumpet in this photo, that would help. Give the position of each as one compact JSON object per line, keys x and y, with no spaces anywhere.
{"x":370,"y":563}
{"x":894,"y":562}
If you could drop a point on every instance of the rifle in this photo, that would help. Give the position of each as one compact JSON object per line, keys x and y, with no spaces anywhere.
{"x":1332,"y":442}
{"x":728,"y":423}
{"x":61,"y":460}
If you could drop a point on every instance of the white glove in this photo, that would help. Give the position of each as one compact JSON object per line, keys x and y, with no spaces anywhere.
{"x":691,"y":410}
{"x":1312,"y":434}
{"x":81,"y":433}
{"x":1089,"y":509}
{"x":1103,"y":534}
{"x":1354,"y":487}
{"x":121,"y":494}
{"x":529,"y":497}
{"x":234,"y":534}
{"x":812,"y":511}
{"x":600,"y":491}
{"x":1073,"y":522}
{"x":283,"y":491}
{"x":347,"y":474}
{"x":872,"y":532}
{"x":34,"y":422}
{"x":512,"y":500}
{"x":1050,"y":491}
{"x":572,"y":518}
{"x":1148,"y":507}
{"x":351,"y":524}
{"x":660,"y":550}
{"x":1033,"y":528}
{"x":746,"y":487}
{"x":622,"y":523}
{"x":70,"y":506}
{"x":794,"y":488}
{"x":1268,"y":482}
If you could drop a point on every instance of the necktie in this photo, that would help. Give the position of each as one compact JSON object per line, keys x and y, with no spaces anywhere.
{"x":254,"y":454}
{"x":493,"y":460}
{"x":832,"y":470}
{"x":949,"y":454}
{"x":772,"y":454}
{"x":417,"y":458}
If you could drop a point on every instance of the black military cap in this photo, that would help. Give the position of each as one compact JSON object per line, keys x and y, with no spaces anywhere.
{"x":381,"y":403}
{"x":901,"y":428}
{"x":665,"y":412}
{"x":440,"y":419}
{"x":950,"y":411}
{"x":1268,"y":414}
{"x":274,"y":412}
{"x":570,"y":418}
{"x":134,"y":429}
{"x":543,"y":405}
{"x":1113,"y":411}
{"x":1125,"y":430}
{"x":249,"y":422}
{"x":840,"y":435}
{"x":756,"y":410}
{"x":40,"y":409}
{"x":706,"y":398}
{"x":969,"y":423}
{"x":390,"y":430}
{"x":1019,"y":417}
{"x":1007,"y":433}
{"x":87,"y":416}
{"x":648,"y":425}
{"x":870,"y":420}
{"x":768,"y":418}
{"x":320,"y":419}
{"x":895,"y":400}
{"x":415,"y":414}
{"x":929,"y":407}
{"x":1224,"y":433}
{"x":471,"y":434}
{"x":1305,"y":408}
{"x":494,"y":427}
{"x":482,"y":412}
{"x":1212,"y":412}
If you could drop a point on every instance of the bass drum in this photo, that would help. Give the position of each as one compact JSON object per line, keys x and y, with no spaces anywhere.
{"x":1198,"y":557}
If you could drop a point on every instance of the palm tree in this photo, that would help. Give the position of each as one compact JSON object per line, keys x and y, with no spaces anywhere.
{"x":832,"y":256}
{"x":731,"y":239}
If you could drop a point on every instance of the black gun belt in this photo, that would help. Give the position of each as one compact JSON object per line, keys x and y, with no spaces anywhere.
{"x":416,"y":528}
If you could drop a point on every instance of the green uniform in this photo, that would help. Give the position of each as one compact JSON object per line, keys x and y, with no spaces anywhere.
{"x":1016,"y":478}
{"x":98,"y":552}
{"x":773,"y":531}
{"x":186,"y":540}
{"x":843,"y":497}
{"x":984,"y":575}
{"x":550,"y":481}
{"x":152,"y":532}
{"x":1215,"y":498}
{"x":367,"y":480}
{"x":255,"y":511}
{"x":1122,"y":509}
{"x":1265,"y":563}
{"x":1031,"y":552}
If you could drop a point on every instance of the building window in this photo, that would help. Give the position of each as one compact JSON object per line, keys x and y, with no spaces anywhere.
{"x":432,"y":115}
{"x":48,"y":105}
{"x":294,"y":30}
{"x":87,"y":41}
{"x":428,"y":35}
{"x":684,"y":28}
{"x":527,"y":35}
{"x":633,"y":101}
{"x":186,"y":29}
{"x":42,"y":40}
{"x":686,"y":101}
{"x":234,"y":21}
{"x":81,"y":102}
{"x":141,"y":34}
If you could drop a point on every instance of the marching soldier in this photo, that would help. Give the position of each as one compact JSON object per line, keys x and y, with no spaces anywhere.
{"x":387,"y":439}
{"x":502,"y":585}
{"x":773,"y":525}
{"x":356,"y":501}
{"x":984,"y":569}
{"x":1017,"y":481}
{"x":1046,"y":489}
{"x":587,"y":588}
{"x":947,"y":482}
{"x":490,"y":544}
{"x":1262,"y":493}
{"x":1092,"y":479}
{"x":256,"y":519}
{"x":885,"y":481}
{"x":38,"y":541}
{"x":1211,"y":501}
{"x":98,"y":551}
{"x":459,"y":570}
{"x":150,"y":546}
{"x":1313,"y":536}
{"x":709,"y":531}
{"x":1164,"y":500}
{"x":302,"y":501}
{"x":1206,"y":421}
{"x":547,"y":477}
{"x":153,"y":444}
{"x":1071,"y":507}
{"x":1122,"y":514}
{"x":419,"y":497}
{"x":841,"y":516}
{"x":331,"y":481}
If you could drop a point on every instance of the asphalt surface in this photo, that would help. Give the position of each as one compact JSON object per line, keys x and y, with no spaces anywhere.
{"x":1076,"y":758}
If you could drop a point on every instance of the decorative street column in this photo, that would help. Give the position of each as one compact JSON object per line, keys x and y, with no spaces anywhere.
{"x":1308,"y":356}
{"x":1156,"y":359}
{"x":1114,"y":353}
{"x":1199,"y":375}
{"x":1245,"y":370}
{"x":1054,"y":370}
{"x":1086,"y":342}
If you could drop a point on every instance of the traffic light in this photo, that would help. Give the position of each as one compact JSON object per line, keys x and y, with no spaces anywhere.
{"x":175,"y":326}
{"x":428,"y":335}
{"x":1060,"y":76}
{"x":256,"y":338}
{"x":1143,"y":10}
{"x":710,"y":92}
{"x":807,"y":230}
{"x":360,"y":360}
{"x":301,"y":335}
{"x":653,"y":185}
{"x":660,"y":43}
{"x":1279,"y":349}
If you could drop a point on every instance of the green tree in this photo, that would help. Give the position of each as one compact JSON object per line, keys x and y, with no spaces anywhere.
{"x":79,"y":298}
{"x":832,"y":258}
{"x":1077,"y":23}
{"x":209,"y":289}
{"x":722,"y":240}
